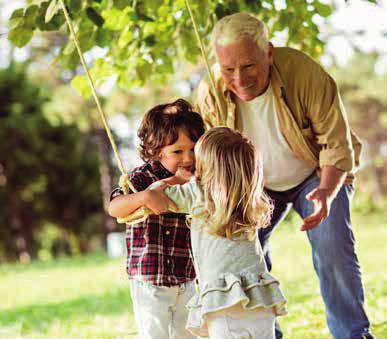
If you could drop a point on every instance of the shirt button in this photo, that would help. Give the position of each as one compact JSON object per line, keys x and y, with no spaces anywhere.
{"x":168,"y":261}
{"x":167,"y":232}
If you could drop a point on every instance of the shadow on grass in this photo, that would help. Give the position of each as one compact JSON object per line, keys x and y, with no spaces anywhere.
{"x":39,"y":316}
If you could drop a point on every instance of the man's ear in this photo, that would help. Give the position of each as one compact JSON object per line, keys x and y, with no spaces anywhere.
{"x":270,"y":53}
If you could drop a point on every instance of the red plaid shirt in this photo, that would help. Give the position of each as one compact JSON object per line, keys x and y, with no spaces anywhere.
{"x":158,"y":248}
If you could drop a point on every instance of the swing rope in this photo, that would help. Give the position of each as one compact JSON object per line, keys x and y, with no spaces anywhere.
{"x":205,"y":57}
{"x":93,"y":90}
{"x":143,"y":212}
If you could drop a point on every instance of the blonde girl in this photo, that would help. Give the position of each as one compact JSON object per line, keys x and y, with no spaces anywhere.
{"x":236,"y":296}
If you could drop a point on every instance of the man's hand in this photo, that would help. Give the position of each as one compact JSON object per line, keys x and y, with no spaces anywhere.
{"x":157,"y":201}
{"x":322,"y":203}
{"x":331,"y":180}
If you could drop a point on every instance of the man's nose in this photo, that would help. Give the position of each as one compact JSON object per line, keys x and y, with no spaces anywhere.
{"x":240,"y":78}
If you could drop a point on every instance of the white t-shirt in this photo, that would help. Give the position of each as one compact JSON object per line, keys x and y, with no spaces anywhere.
{"x":281,"y":169}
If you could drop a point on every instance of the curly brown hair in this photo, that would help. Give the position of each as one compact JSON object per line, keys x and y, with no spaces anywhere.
{"x":161,"y":124}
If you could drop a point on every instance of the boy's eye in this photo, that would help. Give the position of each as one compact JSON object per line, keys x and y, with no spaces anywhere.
{"x":177,"y":152}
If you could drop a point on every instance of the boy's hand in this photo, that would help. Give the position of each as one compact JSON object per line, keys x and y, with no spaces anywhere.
{"x":157,"y":201}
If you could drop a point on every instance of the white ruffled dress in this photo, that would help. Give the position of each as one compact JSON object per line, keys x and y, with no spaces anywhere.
{"x":229,"y":272}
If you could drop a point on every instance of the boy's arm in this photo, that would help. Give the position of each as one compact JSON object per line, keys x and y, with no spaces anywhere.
{"x":123,"y":205}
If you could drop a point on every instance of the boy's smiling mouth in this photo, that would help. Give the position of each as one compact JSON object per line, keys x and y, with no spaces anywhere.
{"x":189,"y":168}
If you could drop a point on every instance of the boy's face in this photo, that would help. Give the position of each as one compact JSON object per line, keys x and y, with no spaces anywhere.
{"x":179,"y":154}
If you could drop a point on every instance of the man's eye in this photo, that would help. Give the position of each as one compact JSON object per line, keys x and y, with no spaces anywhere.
{"x":177,"y":152}
{"x":249,"y":65}
{"x":228,"y":69}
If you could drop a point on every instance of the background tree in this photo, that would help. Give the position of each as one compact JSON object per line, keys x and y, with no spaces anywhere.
{"x":46,"y":173}
{"x":146,"y":39}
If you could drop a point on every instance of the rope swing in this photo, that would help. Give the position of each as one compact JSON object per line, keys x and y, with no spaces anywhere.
{"x":124,"y":182}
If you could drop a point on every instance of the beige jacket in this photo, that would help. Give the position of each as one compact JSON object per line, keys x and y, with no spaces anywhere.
{"x":311,"y":113}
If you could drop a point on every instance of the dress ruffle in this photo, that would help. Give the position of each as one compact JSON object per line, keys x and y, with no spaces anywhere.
{"x":250,"y":290}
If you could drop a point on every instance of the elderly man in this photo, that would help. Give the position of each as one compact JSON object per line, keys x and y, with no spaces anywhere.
{"x":291,"y":109}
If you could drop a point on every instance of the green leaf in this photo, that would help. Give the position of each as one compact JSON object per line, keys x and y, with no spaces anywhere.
{"x":125,"y":37}
{"x":323,"y":9}
{"x":87,"y":39}
{"x":75,"y":5}
{"x":17,"y":13}
{"x":221,"y":10}
{"x":70,"y":61}
{"x":16,"y":19}
{"x":55,"y":23}
{"x":150,"y":40}
{"x":121,"y":4}
{"x":94,"y":16}
{"x":20,"y":36}
{"x":69,"y":48}
{"x":103,"y":38}
{"x":52,"y":8}
{"x":81,"y":85}
{"x":143,"y":17}
{"x":31,"y":16}
{"x":101,"y":70}
{"x":116,"y":20}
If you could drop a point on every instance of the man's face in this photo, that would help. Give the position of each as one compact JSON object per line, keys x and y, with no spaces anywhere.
{"x":245,"y":68}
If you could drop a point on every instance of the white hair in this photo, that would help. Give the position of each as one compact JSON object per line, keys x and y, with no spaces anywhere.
{"x":235,"y":27}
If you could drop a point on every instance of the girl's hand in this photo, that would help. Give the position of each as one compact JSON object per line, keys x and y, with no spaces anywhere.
{"x":181,"y":177}
{"x":157,"y":201}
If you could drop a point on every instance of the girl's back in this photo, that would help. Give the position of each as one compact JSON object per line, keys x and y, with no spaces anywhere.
{"x":229,"y":272}
{"x":218,"y":256}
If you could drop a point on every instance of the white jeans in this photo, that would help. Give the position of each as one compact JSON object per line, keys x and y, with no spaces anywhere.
{"x":238,"y":323}
{"x":160,"y":311}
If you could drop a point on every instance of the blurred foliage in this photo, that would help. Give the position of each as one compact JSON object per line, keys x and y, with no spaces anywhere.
{"x":366,"y":104}
{"x":47,"y":173}
{"x":144,"y":39}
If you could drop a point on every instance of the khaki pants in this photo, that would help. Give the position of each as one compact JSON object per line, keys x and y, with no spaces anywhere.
{"x":160,"y":311}
{"x":238,"y":323}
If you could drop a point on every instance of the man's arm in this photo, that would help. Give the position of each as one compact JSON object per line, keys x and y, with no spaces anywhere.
{"x":327,"y":116}
{"x":322,"y":196}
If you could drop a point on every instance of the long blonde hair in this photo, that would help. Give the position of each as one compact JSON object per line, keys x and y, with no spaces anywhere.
{"x":230,"y":172}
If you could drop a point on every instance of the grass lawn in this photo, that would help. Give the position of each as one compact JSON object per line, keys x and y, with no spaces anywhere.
{"x":88,"y":297}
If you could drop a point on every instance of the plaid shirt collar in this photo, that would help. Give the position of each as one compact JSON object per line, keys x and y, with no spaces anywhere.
{"x":159,"y":170}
